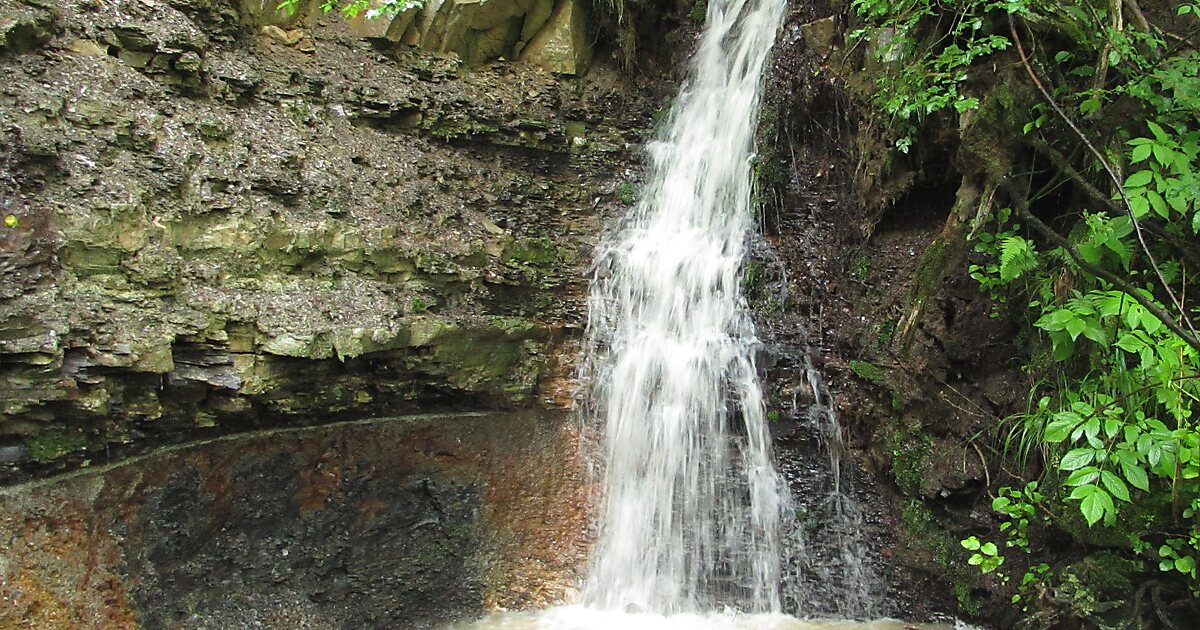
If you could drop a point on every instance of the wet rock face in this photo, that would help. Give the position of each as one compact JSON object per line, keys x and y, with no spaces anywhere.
{"x":849,"y":239}
{"x":383,"y":524}
{"x":221,"y":227}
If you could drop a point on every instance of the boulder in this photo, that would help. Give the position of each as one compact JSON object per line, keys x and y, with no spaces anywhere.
{"x":562,"y":45}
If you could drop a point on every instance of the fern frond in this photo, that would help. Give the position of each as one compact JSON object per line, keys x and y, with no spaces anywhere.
{"x":1016,"y":257}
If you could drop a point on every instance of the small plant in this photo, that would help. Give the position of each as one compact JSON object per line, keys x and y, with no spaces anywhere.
{"x":861,"y":270}
{"x":627,"y":193}
{"x":753,"y":277}
{"x":986,"y":555}
{"x":417,"y":305}
{"x":1019,"y":508}
{"x":1035,"y":578}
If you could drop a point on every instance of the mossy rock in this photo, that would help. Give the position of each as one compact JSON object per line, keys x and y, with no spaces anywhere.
{"x":47,"y":447}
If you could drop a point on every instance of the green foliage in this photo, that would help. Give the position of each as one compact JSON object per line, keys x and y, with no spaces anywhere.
{"x":1009,"y":256}
{"x":985,"y":555}
{"x":1167,"y":185}
{"x":925,"y":68}
{"x":1117,"y":379}
{"x":1019,"y":507}
{"x":371,"y":9}
{"x":1037,"y":576}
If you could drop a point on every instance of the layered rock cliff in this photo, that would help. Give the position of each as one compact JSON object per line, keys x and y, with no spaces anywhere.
{"x":229,"y":218}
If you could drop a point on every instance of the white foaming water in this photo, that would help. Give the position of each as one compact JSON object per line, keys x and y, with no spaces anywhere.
{"x":692,"y":499}
{"x":581,"y":618}
{"x":690,"y":531}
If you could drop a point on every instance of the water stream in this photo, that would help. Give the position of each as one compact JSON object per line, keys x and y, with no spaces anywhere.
{"x":690,"y":529}
{"x":692,"y":497}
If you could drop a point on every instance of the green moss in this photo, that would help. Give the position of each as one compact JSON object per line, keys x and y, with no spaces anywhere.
{"x":537,"y":252}
{"x":47,"y":447}
{"x":628,"y":193}
{"x":884,"y":332}
{"x":920,"y":529}
{"x":871,"y":373}
{"x":752,"y":279}
{"x":868,"y":372}
{"x":770,"y":170}
{"x":910,"y":459}
{"x":930,"y":269}
{"x":1105,"y":574}
{"x":699,"y":10}
{"x":966,"y":604}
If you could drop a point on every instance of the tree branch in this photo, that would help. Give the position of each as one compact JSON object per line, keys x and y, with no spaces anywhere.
{"x":1186,"y":249}
{"x":1022,"y":207}
{"x":1137,"y":228}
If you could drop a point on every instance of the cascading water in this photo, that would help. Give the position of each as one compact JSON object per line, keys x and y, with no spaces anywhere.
{"x":693,"y":501}
{"x":690,"y":531}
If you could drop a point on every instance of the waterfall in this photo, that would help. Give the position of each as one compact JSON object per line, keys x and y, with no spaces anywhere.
{"x":692,"y":500}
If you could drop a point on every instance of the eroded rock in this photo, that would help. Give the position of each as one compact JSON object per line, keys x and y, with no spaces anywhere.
{"x":217,"y":232}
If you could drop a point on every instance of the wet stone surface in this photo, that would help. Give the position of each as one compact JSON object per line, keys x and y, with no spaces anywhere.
{"x":389,"y":523}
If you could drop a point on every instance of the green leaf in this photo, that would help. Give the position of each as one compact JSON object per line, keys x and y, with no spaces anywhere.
{"x":1163,"y":154}
{"x":1016,"y":257}
{"x":1082,"y":491}
{"x":1055,"y":320}
{"x":1095,"y":506}
{"x":1139,"y":179}
{"x":1064,"y":346}
{"x":1157,"y":131}
{"x":1138,"y":204}
{"x":1136,"y":476}
{"x":1082,"y":477}
{"x":1060,"y":427}
{"x":1129,"y":343}
{"x":1115,"y":485}
{"x":1140,"y":152}
{"x":1158,"y":204}
{"x":1185,"y":565}
{"x":1095,"y":333}
{"x":1077,"y":459}
{"x":1148,"y":321}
